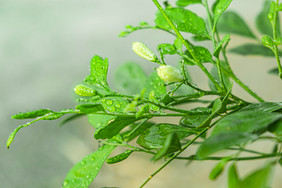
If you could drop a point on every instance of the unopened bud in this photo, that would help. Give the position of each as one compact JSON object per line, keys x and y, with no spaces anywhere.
{"x":84,"y":91}
{"x":169,"y":73}
{"x":143,"y":51}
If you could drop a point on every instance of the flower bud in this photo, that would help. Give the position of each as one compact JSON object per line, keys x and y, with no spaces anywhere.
{"x":169,"y":73}
{"x":143,"y":51}
{"x":84,"y":91}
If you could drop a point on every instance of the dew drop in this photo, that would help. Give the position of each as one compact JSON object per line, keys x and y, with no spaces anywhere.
{"x":112,"y":109}
{"x":82,"y":163}
{"x":109,"y":102}
{"x":92,"y":159}
{"x":117,"y":105}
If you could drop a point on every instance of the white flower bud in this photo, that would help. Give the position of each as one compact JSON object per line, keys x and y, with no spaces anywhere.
{"x":84,"y":91}
{"x":169,"y":73}
{"x":143,"y":51}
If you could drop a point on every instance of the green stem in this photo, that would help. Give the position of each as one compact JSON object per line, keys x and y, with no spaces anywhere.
{"x":274,"y":27}
{"x":193,"y":157}
{"x":174,"y":156}
{"x":238,"y":81}
{"x":189,"y":48}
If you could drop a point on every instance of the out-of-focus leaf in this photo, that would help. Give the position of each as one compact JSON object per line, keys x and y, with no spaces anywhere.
{"x":119,"y":157}
{"x":155,"y":136}
{"x":130,"y":78}
{"x":218,"y":169}
{"x":185,"y":20}
{"x":184,"y":3}
{"x":252,"y":49}
{"x":245,"y":121}
{"x":231,"y":22}
{"x":214,"y":73}
{"x":274,"y":71}
{"x":222,"y":141}
{"x":137,"y":130}
{"x":262,"y":22}
{"x":84,"y":172}
{"x":264,"y":106}
{"x":233,"y":178}
{"x":90,"y":108}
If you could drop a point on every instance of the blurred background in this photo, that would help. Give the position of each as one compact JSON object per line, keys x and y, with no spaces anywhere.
{"x":45,"y":49}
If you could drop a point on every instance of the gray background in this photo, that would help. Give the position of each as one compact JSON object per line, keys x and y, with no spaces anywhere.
{"x":45,"y":49}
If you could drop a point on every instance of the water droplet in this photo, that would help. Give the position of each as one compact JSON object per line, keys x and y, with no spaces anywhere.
{"x":117,"y":105}
{"x":109,"y":102}
{"x":82,"y":163}
{"x":112,"y":109}
{"x":92,"y":159}
{"x":73,"y":180}
{"x":87,"y":176}
{"x":65,"y":183}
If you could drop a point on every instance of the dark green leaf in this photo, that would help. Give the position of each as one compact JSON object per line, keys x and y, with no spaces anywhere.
{"x":276,"y":128}
{"x":130,"y":78}
{"x":83,"y":173}
{"x":222,"y":141}
{"x":155,"y":136}
{"x":167,"y":49}
{"x":32,"y":114}
{"x":193,"y":121}
{"x":233,"y":178}
{"x":137,"y":130}
{"x":113,"y":104}
{"x":184,"y":3}
{"x":185,"y":20}
{"x":262,"y":22}
{"x":119,"y":157}
{"x":245,"y":121}
{"x":171,"y":144}
{"x":98,"y":75}
{"x":156,"y":84}
{"x":220,"y":7}
{"x":90,"y":108}
{"x":113,"y":127}
{"x":231,"y":22}
{"x":220,"y":44}
{"x":264,"y":106}
{"x":252,"y":49}
{"x":70,"y":118}
{"x":259,"y":178}
{"x":201,"y":53}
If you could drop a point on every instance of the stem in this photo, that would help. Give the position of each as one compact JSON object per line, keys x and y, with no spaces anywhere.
{"x":193,"y":157}
{"x":189,"y":48}
{"x":237,"y":80}
{"x":174,"y":156}
{"x":274,"y":27}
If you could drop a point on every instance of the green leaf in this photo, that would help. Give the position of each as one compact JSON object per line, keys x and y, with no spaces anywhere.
{"x":155,"y":136}
{"x":231,"y":22}
{"x":184,"y":3}
{"x":83,"y":173}
{"x":113,"y":127}
{"x":219,"y":45}
{"x":264,"y":106}
{"x":220,"y":7}
{"x":137,"y":130}
{"x":130,"y":29}
{"x":97,"y":120}
{"x":98,"y":75}
{"x":185,"y":20}
{"x":130,"y":78}
{"x":171,"y":144}
{"x":245,"y":121}
{"x":259,"y":178}
{"x":222,"y":141}
{"x":276,"y":128}
{"x":166,"y":48}
{"x":262,"y":22}
{"x":202,"y":53}
{"x":233,"y":178}
{"x":193,"y":121}
{"x":113,"y":105}
{"x":119,"y":157}
{"x":214,"y":73}
{"x":268,"y":42}
{"x":218,"y":169}
{"x":156,"y":84}
{"x":70,"y":118}
{"x":252,"y":49}
{"x":32,"y":114}
{"x":90,"y":108}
